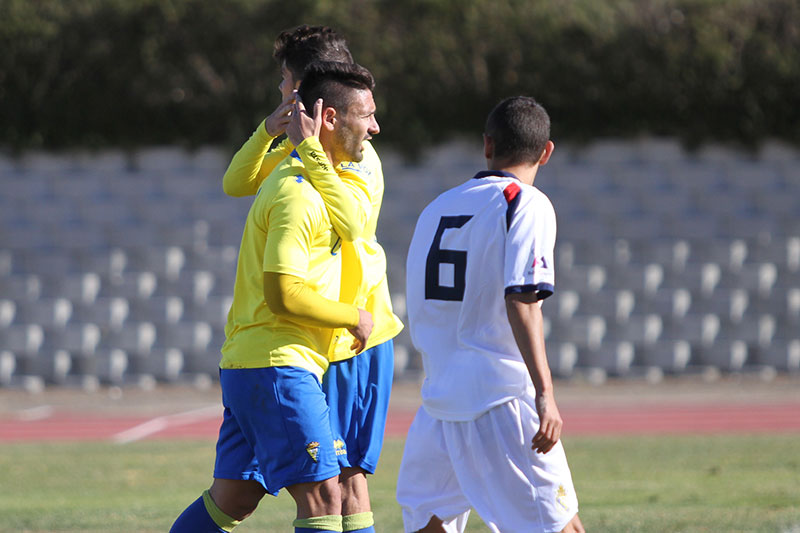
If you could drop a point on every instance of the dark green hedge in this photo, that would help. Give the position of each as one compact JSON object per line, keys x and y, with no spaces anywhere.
{"x":141,"y":72}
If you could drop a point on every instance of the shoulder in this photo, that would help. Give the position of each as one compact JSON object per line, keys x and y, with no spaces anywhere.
{"x":289,"y":184}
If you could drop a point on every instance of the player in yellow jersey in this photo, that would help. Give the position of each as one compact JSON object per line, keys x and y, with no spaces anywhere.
{"x":357,"y":388}
{"x":276,"y":431}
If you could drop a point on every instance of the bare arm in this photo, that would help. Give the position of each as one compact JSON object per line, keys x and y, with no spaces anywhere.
{"x":525,"y":317}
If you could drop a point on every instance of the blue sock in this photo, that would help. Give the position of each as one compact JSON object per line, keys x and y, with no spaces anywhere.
{"x":370,"y":529}
{"x":195,"y":519}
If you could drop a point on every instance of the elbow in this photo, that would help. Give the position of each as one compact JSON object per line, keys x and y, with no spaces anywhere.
{"x":277,"y":304}
{"x":230,"y":189}
{"x":278,"y":295}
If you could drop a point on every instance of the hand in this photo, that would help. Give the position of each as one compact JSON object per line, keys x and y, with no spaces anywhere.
{"x":276,"y":123}
{"x":302,"y":125}
{"x":550,"y":423}
{"x":361,"y":331}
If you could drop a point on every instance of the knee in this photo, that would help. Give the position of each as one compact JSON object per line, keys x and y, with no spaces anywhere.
{"x":236,"y":498}
{"x":317,"y":499}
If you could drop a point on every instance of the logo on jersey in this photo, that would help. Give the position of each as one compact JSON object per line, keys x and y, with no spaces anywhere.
{"x":539,"y":262}
{"x":561,"y":498}
{"x":313,"y":450}
{"x":340,"y":447}
{"x":299,"y":178}
{"x":337,"y":244}
{"x":357,"y":168}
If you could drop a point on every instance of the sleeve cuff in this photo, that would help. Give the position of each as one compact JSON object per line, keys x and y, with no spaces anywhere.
{"x":542,"y":290}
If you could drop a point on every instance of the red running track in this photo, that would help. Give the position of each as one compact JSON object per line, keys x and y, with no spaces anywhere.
{"x":204,"y":423}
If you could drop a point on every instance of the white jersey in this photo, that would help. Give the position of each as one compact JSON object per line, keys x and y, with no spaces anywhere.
{"x":475,"y":243}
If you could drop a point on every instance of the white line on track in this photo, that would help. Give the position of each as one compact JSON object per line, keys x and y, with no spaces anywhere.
{"x":35,"y":413}
{"x":158,"y":424}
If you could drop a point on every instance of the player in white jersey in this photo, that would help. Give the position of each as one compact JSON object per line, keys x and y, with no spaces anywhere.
{"x":479,"y":265}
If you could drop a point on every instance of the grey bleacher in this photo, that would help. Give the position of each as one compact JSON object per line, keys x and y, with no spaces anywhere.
{"x":118,"y":268}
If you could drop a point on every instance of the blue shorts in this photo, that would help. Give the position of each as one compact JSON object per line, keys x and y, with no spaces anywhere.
{"x":357,"y":391}
{"x":275,"y":428}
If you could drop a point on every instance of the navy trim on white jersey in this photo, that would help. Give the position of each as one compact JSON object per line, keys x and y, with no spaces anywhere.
{"x":496,"y":173}
{"x":542,"y":290}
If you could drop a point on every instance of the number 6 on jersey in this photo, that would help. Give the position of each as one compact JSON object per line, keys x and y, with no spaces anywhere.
{"x":434,"y":290}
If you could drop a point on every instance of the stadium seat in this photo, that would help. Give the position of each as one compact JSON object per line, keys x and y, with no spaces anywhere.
{"x":190,"y":337}
{"x":131,"y":285}
{"x":642,"y":278}
{"x":670,"y":356}
{"x":75,"y":338}
{"x":611,"y":357}
{"x":46,"y":312}
{"x":163,"y":364}
{"x":728,"y":304}
{"x":699,"y":329}
{"x":562,"y":357}
{"x":725,"y":355}
{"x":79,"y":288}
{"x":214,"y":310}
{"x":8,"y":312}
{"x":783,"y":355}
{"x":22,"y":339}
{"x":582,"y":330}
{"x":582,"y":278}
{"x":8,"y":367}
{"x":158,"y":309}
{"x":192,"y":286}
{"x":165,"y":262}
{"x":105,"y":263}
{"x":109,"y":313}
{"x":699,"y":278}
{"x":52,"y":366}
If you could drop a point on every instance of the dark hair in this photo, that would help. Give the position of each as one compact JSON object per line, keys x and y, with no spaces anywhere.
{"x":300,"y":46}
{"x":520,"y":129}
{"x":334,"y":82}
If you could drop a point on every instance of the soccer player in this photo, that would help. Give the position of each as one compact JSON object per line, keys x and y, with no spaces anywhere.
{"x":357,"y":388}
{"x":276,"y":430}
{"x":479,"y":265}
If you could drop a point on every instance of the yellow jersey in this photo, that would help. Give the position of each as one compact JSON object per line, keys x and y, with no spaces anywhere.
{"x":287,"y":231}
{"x":353,"y":195}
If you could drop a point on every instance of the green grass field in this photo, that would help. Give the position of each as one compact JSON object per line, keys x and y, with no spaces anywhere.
{"x":730,"y":483}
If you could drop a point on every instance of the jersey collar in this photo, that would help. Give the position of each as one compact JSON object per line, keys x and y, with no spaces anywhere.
{"x":498,"y":173}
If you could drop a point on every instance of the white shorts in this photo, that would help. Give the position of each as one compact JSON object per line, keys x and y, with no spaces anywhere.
{"x":486,"y":464}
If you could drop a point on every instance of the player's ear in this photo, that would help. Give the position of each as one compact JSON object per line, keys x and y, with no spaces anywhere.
{"x":548,"y":151}
{"x":329,"y":118}
{"x":488,"y":147}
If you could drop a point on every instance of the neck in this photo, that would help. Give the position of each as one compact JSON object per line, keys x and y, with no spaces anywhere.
{"x":525,"y":172}
{"x":335,"y":162}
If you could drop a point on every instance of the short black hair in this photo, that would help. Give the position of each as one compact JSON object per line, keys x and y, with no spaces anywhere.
{"x":333,"y":81}
{"x":299,"y":47}
{"x":520,"y":128}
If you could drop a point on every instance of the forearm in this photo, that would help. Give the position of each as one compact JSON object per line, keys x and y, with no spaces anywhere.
{"x":289,"y":297}
{"x":525,"y":317}
{"x":347,"y":200}
{"x":252,"y":163}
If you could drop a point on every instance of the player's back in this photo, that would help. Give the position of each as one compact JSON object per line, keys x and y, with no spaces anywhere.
{"x":471,"y":246}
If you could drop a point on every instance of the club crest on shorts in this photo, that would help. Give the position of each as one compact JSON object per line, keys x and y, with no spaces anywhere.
{"x":313,"y":450}
{"x":340,"y":447}
{"x":561,"y":498}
